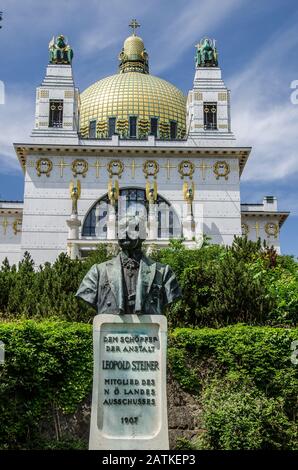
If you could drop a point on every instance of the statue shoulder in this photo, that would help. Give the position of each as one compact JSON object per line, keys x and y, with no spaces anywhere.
{"x":159,"y":266}
{"x":99,"y":267}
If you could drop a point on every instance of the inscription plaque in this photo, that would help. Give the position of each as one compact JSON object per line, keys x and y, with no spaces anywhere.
{"x":129,"y":406}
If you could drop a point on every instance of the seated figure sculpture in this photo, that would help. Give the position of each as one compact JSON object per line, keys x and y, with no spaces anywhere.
{"x":60,"y":51}
{"x":130,"y":283}
{"x":206,"y":55}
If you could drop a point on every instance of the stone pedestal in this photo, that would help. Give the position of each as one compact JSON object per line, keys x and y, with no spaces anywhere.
{"x":129,"y":401}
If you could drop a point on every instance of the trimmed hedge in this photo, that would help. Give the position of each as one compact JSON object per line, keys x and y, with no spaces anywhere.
{"x":245,"y":370}
{"x":48,"y":366}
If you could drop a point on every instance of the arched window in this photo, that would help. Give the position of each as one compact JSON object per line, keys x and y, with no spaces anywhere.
{"x":133,"y":201}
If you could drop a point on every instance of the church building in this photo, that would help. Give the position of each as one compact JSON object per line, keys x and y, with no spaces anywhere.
{"x":131,"y":143}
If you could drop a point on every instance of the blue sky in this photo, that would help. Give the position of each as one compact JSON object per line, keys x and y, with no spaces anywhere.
{"x":257,"y":42}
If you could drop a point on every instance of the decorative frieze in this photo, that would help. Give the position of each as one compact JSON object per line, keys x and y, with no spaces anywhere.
{"x":43,"y":93}
{"x":221,"y":169}
{"x":44,"y":166}
{"x":245,"y":229}
{"x":115,"y":168}
{"x":151,"y":168}
{"x":186,"y":168}
{"x":271,"y":229}
{"x":222,"y":96}
{"x":79,"y":167}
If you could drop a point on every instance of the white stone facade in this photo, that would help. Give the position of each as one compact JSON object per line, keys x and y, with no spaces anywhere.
{"x":10,"y":231}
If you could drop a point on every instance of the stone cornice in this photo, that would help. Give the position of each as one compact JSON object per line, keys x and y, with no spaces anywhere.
{"x":23,"y":150}
{"x":5,"y":211}
{"x":282,"y":216}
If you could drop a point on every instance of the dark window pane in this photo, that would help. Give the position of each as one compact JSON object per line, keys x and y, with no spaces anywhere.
{"x":92,"y":129}
{"x":159,"y":225}
{"x":154,"y":123}
{"x":132,"y":195}
{"x":56,"y":113}
{"x":132,"y":126}
{"x":171,"y":224}
{"x":112,"y":126}
{"x":173,"y":129}
{"x":140,"y":195}
{"x":168,"y":222}
{"x":210,"y":116}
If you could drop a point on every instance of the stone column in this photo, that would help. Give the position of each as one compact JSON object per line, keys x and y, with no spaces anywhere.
{"x":129,"y":400}
{"x":111,"y":223}
{"x":188,"y":223}
{"x":152,"y":222}
{"x":73,"y":234}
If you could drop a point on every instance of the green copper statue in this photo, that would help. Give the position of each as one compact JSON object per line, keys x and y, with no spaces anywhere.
{"x":131,"y":283}
{"x":60,"y":51}
{"x":206,"y":55}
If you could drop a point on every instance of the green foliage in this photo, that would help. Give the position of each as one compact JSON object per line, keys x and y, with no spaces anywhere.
{"x":239,"y":417}
{"x":245,"y":382}
{"x":261,"y":354}
{"x":48,"y":367}
{"x":180,"y":258}
{"x":48,"y":291}
{"x":242,"y":376}
{"x":184,"y":444}
{"x":246,"y":282}
{"x":61,"y":444}
{"x":182,"y":370}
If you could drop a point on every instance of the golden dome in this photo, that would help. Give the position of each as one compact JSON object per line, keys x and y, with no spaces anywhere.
{"x":133,"y":103}
{"x":133,"y":94}
{"x":133,"y":46}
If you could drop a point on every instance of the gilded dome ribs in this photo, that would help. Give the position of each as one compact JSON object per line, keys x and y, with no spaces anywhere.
{"x":134,"y":99}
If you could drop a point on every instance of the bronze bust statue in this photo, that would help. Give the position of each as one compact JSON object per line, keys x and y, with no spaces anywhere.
{"x":130,"y":283}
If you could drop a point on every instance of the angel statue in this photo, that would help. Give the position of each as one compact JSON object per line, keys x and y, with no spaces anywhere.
{"x":188,"y":192}
{"x":75,"y":194}
{"x":60,"y":51}
{"x":113,"y":192}
{"x":151,"y":193}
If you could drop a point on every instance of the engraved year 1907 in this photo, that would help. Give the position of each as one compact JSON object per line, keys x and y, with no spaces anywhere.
{"x":130,"y":420}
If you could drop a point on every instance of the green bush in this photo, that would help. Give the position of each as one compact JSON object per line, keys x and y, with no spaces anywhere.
{"x":246,"y":383}
{"x":48,"y":367}
{"x":260,"y":354}
{"x":244,"y":283}
{"x":220,"y":293}
{"x":48,"y":372}
{"x":238,"y":416}
{"x":48,"y":291}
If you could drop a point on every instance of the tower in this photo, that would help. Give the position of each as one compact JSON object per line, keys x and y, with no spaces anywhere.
{"x":208,"y":103}
{"x":57,"y":98}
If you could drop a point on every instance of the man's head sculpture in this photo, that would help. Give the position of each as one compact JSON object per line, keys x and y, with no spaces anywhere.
{"x":130,"y":283}
{"x":131,"y":232}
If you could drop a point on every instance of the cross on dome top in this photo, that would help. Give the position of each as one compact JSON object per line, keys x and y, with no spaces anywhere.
{"x":134,"y":25}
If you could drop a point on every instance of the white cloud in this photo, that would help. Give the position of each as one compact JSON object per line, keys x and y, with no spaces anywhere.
{"x":109,"y":23}
{"x":16,"y":123}
{"x":262,"y":113}
{"x":195,"y":20}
